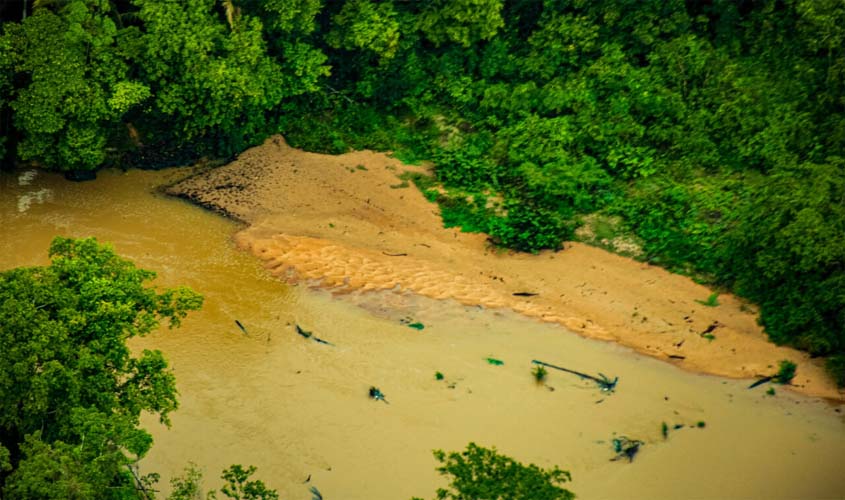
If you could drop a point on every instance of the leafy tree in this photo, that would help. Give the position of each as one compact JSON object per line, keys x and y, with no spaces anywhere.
{"x":210,"y":72}
{"x":77,"y":86}
{"x":238,"y":485}
{"x":480,"y":473}
{"x":464,"y":22}
{"x":364,"y":25}
{"x":5,"y":88}
{"x":71,"y":392}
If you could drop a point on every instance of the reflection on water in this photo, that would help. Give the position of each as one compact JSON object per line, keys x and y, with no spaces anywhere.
{"x":299,"y":409}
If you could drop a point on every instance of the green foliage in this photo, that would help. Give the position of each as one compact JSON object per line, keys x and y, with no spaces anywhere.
{"x":483,"y":473}
{"x":771,"y":391}
{"x":79,"y":86}
{"x":71,"y":392}
{"x":237,"y":486}
{"x":464,"y":22}
{"x":836,"y":367}
{"x":438,"y":376}
{"x":539,"y":373}
{"x":711,"y":301}
{"x":786,"y":372}
{"x":530,"y":229}
{"x":212,"y":78}
{"x":664,"y":430}
{"x":364,"y":25}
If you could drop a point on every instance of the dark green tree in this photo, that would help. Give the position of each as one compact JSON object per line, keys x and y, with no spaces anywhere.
{"x":71,"y":391}
{"x":76,"y":86}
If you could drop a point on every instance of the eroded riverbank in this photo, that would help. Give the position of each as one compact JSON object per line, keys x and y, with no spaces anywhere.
{"x":348,"y":223}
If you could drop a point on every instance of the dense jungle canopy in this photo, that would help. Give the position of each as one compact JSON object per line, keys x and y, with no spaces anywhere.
{"x":712,"y":129}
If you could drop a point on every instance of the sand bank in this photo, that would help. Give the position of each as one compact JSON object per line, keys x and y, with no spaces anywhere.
{"x":348,"y":223}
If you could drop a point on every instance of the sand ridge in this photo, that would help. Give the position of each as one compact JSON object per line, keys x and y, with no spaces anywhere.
{"x":348,"y":223}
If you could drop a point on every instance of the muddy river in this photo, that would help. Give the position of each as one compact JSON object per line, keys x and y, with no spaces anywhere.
{"x":298,"y":409}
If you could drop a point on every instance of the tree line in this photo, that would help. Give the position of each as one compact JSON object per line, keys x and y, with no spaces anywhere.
{"x":713,"y":129}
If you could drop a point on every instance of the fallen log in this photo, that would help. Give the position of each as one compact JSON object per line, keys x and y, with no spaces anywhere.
{"x":604,"y":382}
{"x":310,"y":335}
{"x":376,"y":394}
{"x":761,"y":381}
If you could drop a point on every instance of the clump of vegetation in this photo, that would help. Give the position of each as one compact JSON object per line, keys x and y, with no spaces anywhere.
{"x":771,"y":391}
{"x":438,"y":376}
{"x":701,"y":424}
{"x":72,"y":391}
{"x":664,"y":430}
{"x":494,"y":361}
{"x":712,"y":300}
{"x":539,"y":373}
{"x":238,"y":485}
{"x":786,"y":372}
{"x":836,"y":367}
{"x":484,"y":473}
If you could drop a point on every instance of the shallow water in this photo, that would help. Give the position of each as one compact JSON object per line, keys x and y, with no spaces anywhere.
{"x":299,"y":409}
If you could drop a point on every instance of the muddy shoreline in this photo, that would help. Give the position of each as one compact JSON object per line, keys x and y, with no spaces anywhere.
{"x":341,"y":222}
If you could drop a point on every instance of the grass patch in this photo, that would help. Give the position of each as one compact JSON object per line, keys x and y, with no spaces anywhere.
{"x":712,"y":300}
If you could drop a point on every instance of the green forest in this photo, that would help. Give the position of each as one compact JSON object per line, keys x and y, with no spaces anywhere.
{"x":711,"y":132}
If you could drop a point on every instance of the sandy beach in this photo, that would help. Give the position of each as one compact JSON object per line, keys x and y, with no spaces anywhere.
{"x":348,"y":223}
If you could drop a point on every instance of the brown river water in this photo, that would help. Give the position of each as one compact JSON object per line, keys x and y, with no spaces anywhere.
{"x":298,"y":409}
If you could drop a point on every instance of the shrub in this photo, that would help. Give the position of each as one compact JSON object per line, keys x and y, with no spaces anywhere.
{"x":786,"y":372}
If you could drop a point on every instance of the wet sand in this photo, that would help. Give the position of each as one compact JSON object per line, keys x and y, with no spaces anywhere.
{"x":348,"y":223}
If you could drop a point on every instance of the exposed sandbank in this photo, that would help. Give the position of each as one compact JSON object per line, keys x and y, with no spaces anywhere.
{"x":346,"y":223}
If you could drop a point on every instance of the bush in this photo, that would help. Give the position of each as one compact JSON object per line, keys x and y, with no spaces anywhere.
{"x":482,"y":473}
{"x":786,"y":372}
{"x":530,"y":229}
{"x":836,"y":367}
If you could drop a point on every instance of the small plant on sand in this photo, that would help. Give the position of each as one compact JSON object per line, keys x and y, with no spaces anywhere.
{"x":771,"y":391}
{"x":438,"y":376}
{"x":539,"y":374}
{"x":664,"y":429}
{"x":701,"y":424}
{"x":786,"y":372}
{"x":712,"y":300}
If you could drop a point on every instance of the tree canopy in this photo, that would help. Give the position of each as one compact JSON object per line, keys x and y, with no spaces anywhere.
{"x":71,"y":391}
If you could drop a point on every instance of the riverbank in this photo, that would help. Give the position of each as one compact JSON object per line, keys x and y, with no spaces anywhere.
{"x":348,"y":223}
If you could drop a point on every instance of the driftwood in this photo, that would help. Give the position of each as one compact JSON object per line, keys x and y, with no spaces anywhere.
{"x":309,"y":335}
{"x":626,"y":448}
{"x":395,"y":254}
{"x":525,"y":294}
{"x":602,"y":380}
{"x":376,"y":394}
{"x":241,"y":327}
{"x":761,"y":381}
